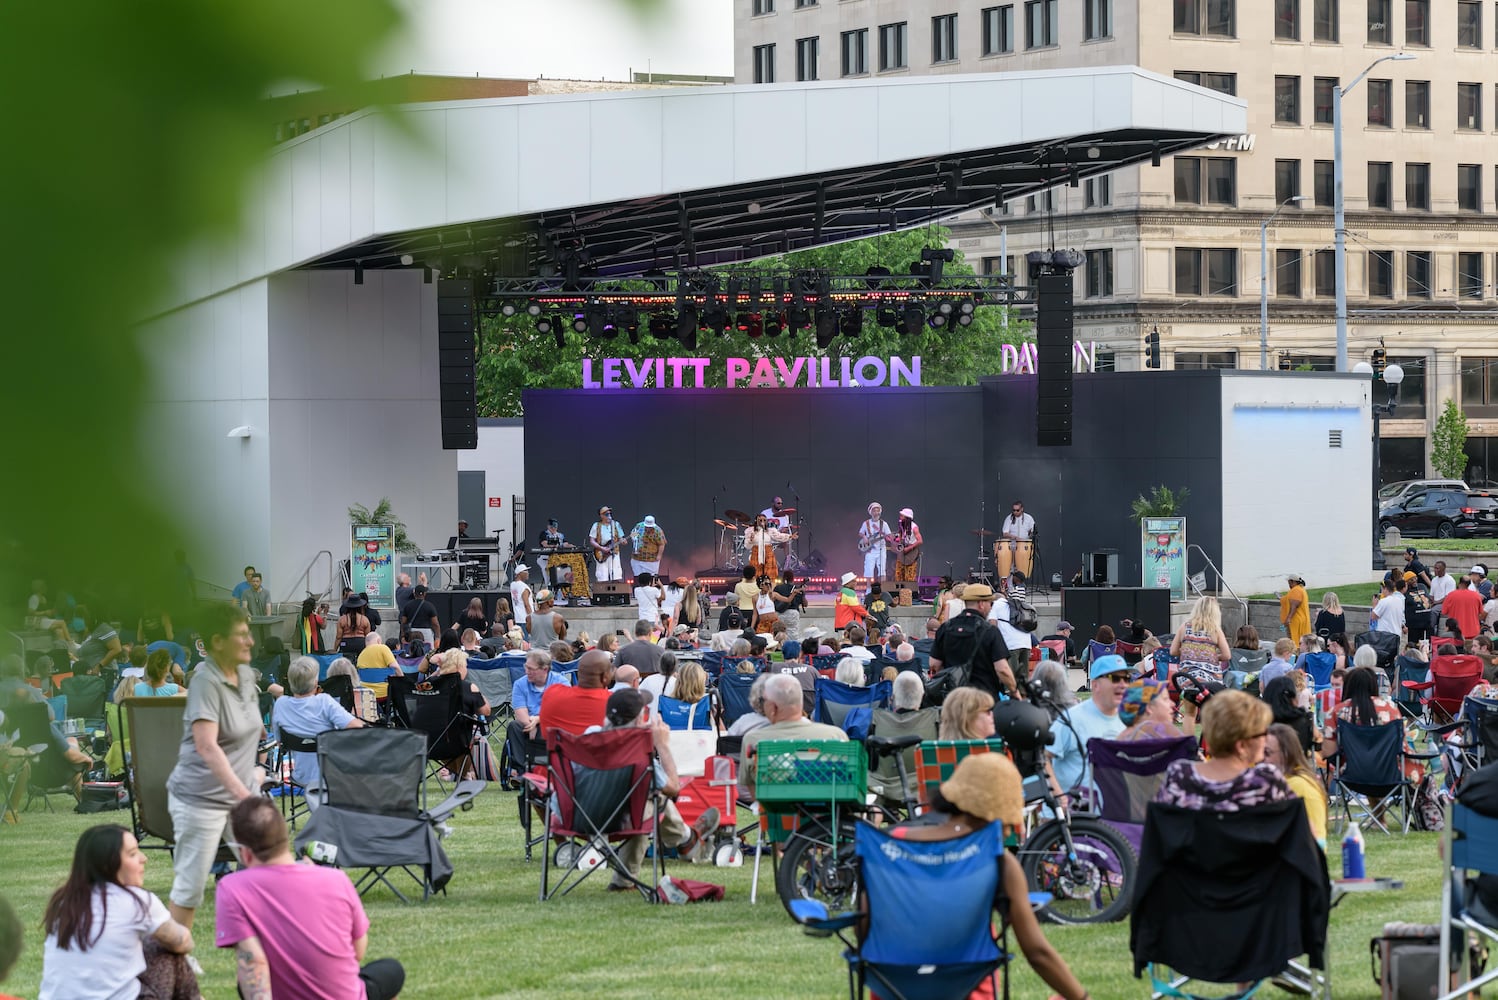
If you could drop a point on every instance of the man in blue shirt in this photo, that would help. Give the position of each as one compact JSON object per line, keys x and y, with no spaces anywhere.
{"x":243,"y":587}
{"x":523,"y":736}
{"x":1096,"y":718}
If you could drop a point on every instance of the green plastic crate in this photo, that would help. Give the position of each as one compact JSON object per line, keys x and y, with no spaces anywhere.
{"x":810,"y":771}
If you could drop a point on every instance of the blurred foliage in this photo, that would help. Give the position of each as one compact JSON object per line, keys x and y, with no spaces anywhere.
{"x":1161,"y":501}
{"x":384,"y":513}
{"x":135,"y":129}
{"x":514,"y":357}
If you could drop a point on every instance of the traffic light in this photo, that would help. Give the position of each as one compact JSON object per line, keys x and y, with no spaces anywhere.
{"x":1285,"y":363}
{"x":1380,"y":361}
{"x":1152,"y":348}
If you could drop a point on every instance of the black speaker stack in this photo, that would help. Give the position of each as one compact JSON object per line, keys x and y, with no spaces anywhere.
{"x":1054,"y":340}
{"x":457,"y":342}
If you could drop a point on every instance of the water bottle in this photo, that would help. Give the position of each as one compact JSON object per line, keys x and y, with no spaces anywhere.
{"x":1352,"y":853}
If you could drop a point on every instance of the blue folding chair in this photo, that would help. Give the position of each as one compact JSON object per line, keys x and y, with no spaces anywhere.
{"x":946,"y":889}
{"x":828,"y":662}
{"x":1372,"y":778}
{"x":1320,"y":666}
{"x":732,"y":692}
{"x":849,"y":708}
{"x":1415,"y":671}
{"x":493,"y":681}
{"x":1471,"y":846}
{"x":681,"y":716}
{"x":712,"y":663}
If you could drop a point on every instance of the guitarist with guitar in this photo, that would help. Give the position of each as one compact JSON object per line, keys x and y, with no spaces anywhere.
{"x":605,"y":538}
{"x":874,"y":538}
{"x":907,"y":547}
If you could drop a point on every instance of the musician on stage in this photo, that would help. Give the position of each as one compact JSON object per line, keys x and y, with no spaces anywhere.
{"x":648,"y":543}
{"x":907,"y":547}
{"x":605,"y":538}
{"x":873,"y":535}
{"x":774,"y":515}
{"x":760,"y":540}
{"x":1015,"y":549}
{"x":551,"y":538}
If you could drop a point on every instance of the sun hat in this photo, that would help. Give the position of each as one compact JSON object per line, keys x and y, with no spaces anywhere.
{"x":649,"y":520}
{"x":907,"y":512}
{"x":1105,"y":665}
{"x":987,"y":785}
{"x":1137,"y":698}
{"x":975,"y":592}
{"x":848,"y":578}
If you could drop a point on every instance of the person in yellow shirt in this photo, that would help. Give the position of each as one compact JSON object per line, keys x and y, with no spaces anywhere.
{"x":375,"y":655}
{"x":1284,"y":751}
{"x":1295,"y":609}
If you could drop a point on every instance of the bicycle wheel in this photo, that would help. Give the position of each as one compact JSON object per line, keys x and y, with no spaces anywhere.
{"x":1091,"y":888}
{"x":812,"y":868}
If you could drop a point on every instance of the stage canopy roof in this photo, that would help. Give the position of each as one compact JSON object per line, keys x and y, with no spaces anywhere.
{"x":628,"y":181}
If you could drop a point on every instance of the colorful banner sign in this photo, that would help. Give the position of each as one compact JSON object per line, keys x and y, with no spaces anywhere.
{"x":1163,"y":554}
{"x":372,"y":563}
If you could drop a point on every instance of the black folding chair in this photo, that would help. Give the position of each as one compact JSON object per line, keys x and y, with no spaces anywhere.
{"x":1371,"y":777}
{"x":434,"y":707}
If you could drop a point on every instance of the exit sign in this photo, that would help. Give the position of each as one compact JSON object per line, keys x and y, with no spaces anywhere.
{"x":496,"y":501}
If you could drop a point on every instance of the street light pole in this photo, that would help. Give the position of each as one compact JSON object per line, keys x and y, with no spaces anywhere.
{"x":1392,"y":375}
{"x":1340,"y":221}
{"x":1264,"y":281}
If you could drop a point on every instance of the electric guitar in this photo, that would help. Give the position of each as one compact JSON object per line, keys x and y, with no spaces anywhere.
{"x":866,"y":542}
{"x":602,"y":550}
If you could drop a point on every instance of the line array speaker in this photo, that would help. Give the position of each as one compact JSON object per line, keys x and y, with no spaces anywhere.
{"x":1054,"y":339}
{"x":457,"y":345}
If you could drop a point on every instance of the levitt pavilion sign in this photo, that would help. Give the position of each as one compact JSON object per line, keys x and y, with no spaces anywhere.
{"x":778,"y":373}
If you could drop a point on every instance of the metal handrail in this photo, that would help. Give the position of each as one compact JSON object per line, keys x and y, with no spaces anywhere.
{"x":306,"y":578}
{"x":1222,"y":583}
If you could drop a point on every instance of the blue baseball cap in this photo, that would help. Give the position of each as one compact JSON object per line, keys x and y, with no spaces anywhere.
{"x":1110,"y":664}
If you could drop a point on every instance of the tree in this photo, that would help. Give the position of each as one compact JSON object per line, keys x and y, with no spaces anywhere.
{"x":1162,"y":501}
{"x":514,"y":357}
{"x":1448,"y":440}
{"x":384,"y":513}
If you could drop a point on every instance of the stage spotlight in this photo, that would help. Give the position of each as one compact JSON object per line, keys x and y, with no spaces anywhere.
{"x":797,"y":318}
{"x":965,"y":313}
{"x":945,"y":308}
{"x":686,"y":327}
{"x":543,"y":325}
{"x":663,"y":327}
{"x":752,"y":324}
{"x":715,"y":318}
{"x":852,"y":322}
{"x":598,"y":321}
{"x":629,"y":322}
{"x":579,"y":323}
{"x":826,"y":327}
{"x":508,"y":309}
{"x":533,"y":308}
{"x":937,"y":320}
{"x":911,"y":318}
{"x":885,"y":317}
{"x":876,"y":276}
{"x":774,"y":323}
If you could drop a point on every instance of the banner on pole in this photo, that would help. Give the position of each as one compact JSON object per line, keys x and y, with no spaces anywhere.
{"x":1163,"y":554}
{"x":372,"y":563}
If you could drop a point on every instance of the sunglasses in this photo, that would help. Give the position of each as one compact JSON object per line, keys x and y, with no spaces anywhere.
{"x":1118,"y":678}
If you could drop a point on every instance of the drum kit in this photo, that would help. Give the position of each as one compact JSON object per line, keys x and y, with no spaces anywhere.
{"x":733,"y":539}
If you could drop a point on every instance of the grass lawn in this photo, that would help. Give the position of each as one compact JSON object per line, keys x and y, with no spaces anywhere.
{"x":489,"y":937}
{"x":1354,"y":594}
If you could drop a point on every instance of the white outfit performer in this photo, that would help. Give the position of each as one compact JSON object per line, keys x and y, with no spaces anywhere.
{"x":606,"y":534}
{"x":1015,"y":548}
{"x":777,"y":519}
{"x":872,"y":535}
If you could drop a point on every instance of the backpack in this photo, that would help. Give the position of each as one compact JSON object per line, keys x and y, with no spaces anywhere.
{"x":1022,"y":615}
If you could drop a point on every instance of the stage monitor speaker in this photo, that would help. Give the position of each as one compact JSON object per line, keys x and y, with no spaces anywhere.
{"x":1054,"y":341}
{"x":457,"y":342}
{"x":612,"y":592}
{"x":1088,"y":607}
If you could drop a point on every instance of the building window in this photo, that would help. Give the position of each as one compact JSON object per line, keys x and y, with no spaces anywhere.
{"x":1417,"y":23}
{"x":999,"y":265}
{"x":1381,"y":274}
{"x":1040,"y":23}
{"x":1099,"y":274}
{"x":1098,"y":22}
{"x":1417,"y":104}
{"x":856,"y":52}
{"x":1286,"y":180}
{"x":1206,"y":272}
{"x":1327,"y":22}
{"x":1287,"y":20}
{"x":1287,"y":274}
{"x":1221,"y":180}
{"x":1412,"y":389}
{"x":1324,"y":183}
{"x":1469,"y":276}
{"x":1287,"y":100}
{"x":1104,"y":361}
{"x":1206,"y":17}
{"x":1380,"y":22}
{"x":998,"y":30}
{"x":1469,"y":187}
{"x":1380,"y":185}
{"x":1323,"y":92}
{"x":1098,"y":192}
{"x":1326,"y":274}
{"x":892,"y":46}
{"x":1223,"y":83}
{"x":1380,"y":115}
{"x":806,"y":58}
{"x":1043,"y":202}
{"x":764,"y":63}
{"x":1469,"y":24}
{"x":805,"y":3}
{"x":1469,"y":105}
{"x":1204,"y":361}
{"x":1479,"y":386}
{"x":944,"y":38}
{"x":1417,"y":186}
{"x":764,"y":7}
{"x":1417,"y":274}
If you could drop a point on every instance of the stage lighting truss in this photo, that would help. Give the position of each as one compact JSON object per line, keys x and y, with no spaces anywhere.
{"x":757,"y":302}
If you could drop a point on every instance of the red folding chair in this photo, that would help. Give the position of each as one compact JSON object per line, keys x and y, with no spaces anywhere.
{"x":1442,"y":644}
{"x":1451,"y":678}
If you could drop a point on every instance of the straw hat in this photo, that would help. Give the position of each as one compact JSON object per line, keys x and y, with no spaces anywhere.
{"x":987,"y":785}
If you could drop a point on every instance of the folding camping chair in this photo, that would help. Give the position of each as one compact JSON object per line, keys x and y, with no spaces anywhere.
{"x":1127,"y":773}
{"x":884,"y":769}
{"x":374,"y":813}
{"x":1255,"y":875}
{"x":731,"y":695}
{"x":1372,"y":777}
{"x":1319,"y":667}
{"x":155,"y":727}
{"x":1409,"y":673}
{"x":341,"y":690}
{"x":1249,"y":661}
{"x":1451,"y":677}
{"x":292,"y":785}
{"x":51,"y":772}
{"x":1471,"y":846}
{"x":1385,"y":644}
{"x":492,"y":677}
{"x":935,"y":761}
{"x":434,"y":707}
{"x":602,"y":789}
{"x":849,"y":708}
{"x":945,"y":888}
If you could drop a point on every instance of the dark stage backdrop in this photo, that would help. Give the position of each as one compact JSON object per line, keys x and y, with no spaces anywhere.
{"x":670,"y":453}
{"x":944,"y":451}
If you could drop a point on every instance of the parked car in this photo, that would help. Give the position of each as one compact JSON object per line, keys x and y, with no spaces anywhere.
{"x":1442,"y":513}
{"x":1406,"y":488}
